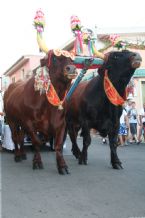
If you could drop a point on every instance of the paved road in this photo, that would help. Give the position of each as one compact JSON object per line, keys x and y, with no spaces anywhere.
{"x":92,"y":191}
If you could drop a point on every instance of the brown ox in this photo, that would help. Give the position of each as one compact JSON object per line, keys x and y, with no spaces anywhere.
{"x":27,"y":110}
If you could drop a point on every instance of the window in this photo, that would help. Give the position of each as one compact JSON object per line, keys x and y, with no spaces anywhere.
{"x":22,"y":74}
{"x":13,"y":79}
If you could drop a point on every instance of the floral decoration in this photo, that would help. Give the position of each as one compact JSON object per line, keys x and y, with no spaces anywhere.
{"x":39,"y":21}
{"x":117,"y":42}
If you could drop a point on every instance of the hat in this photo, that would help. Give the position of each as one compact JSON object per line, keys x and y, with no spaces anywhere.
{"x":130,"y":98}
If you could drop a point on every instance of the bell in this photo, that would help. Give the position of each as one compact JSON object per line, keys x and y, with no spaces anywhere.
{"x":60,"y":107}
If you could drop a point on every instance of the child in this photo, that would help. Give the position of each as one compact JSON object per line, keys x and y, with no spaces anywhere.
{"x":123,"y":129}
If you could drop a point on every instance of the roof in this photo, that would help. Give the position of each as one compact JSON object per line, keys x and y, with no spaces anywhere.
{"x":20,"y":62}
{"x":122,"y":31}
{"x":16,"y":65}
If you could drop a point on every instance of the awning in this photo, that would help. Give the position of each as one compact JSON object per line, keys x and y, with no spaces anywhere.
{"x":140,"y":72}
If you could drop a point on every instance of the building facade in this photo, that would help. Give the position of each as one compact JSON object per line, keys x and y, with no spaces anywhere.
{"x":21,"y":69}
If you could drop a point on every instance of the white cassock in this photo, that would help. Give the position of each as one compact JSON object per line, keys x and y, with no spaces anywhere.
{"x":7,"y":141}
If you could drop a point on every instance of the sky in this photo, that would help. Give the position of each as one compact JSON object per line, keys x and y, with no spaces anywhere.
{"x":18,"y":36}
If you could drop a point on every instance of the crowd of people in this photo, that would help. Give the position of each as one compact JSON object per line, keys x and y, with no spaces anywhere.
{"x":132,"y":124}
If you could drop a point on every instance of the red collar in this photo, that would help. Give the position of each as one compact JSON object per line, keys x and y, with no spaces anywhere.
{"x":53,"y":98}
{"x":111,"y":92}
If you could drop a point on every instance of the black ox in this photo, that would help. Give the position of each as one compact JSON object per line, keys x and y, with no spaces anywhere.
{"x":90,"y":107}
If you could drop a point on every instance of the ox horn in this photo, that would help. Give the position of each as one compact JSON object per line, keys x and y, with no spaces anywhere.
{"x":39,"y":23}
{"x":41,"y":43}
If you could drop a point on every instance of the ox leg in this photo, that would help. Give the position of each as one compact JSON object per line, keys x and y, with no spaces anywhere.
{"x":21,"y":143}
{"x":15,"y":132}
{"x":51,"y":141}
{"x":37,"y":162}
{"x":115,"y":162}
{"x":86,"y":142}
{"x":58,"y":145}
{"x":36,"y":142}
{"x":73,"y":133}
{"x":17,"y":153}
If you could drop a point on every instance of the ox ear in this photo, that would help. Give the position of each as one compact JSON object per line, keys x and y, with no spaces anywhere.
{"x":44,"y":61}
{"x":105,"y":66}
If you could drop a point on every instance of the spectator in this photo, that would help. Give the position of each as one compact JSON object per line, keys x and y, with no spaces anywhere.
{"x":128,"y":104}
{"x":133,"y":121}
{"x":127,"y":107}
{"x":123,"y":129}
{"x":142,"y":122}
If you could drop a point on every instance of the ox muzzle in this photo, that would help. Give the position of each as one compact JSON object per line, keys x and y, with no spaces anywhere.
{"x":136,"y":60}
{"x":71,"y":71}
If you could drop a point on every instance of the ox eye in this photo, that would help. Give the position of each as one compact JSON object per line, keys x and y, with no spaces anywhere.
{"x":54,"y":60}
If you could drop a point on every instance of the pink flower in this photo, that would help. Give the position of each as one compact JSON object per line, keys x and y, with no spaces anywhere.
{"x":39,"y":15}
{"x":113,"y":38}
{"x":123,"y":43}
{"x":39,"y":29}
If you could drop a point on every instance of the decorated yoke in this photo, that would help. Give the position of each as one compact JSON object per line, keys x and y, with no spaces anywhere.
{"x":85,"y":56}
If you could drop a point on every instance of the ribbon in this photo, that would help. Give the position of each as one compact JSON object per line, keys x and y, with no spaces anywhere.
{"x":111,"y":92}
{"x":53,"y":98}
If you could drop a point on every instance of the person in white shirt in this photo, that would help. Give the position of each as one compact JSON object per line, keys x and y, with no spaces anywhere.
{"x":127,"y":106}
{"x":123,"y":129}
{"x":142,"y":122}
{"x":133,"y":121}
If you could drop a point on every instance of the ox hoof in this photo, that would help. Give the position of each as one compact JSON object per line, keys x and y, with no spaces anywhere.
{"x":83,"y":161}
{"x":24,"y":157}
{"x":80,"y":161}
{"x":17,"y":159}
{"x":117,"y":166}
{"x":76,"y":153}
{"x":37,"y":166}
{"x":63,"y":171}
